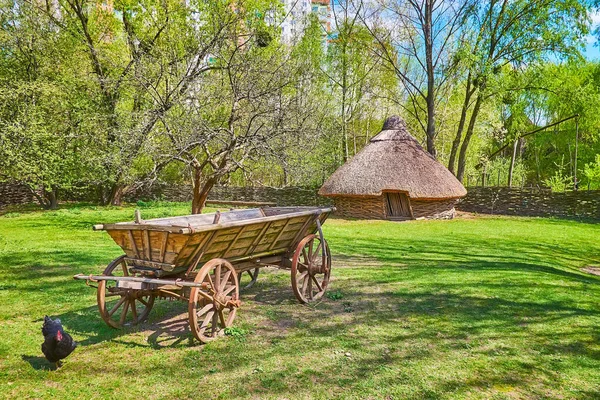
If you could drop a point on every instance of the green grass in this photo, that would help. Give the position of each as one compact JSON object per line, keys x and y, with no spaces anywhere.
{"x":483,"y":308}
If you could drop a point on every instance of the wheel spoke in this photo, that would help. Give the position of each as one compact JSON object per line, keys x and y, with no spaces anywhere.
{"x":215,"y":324}
{"x":316,"y":253}
{"x":305,"y":283}
{"x":310,"y":249}
{"x":301,"y":277}
{"x":134,"y":311}
{"x":205,"y":295}
{"x":212,"y":285}
{"x":225,"y":280}
{"x":222,"y":318}
{"x":116,"y":306}
{"x":205,"y":322}
{"x":204,"y":309}
{"x":124,"y":266}
{"x":304,"y":266}
{"x":124,"y":313}
{"x":309,"y":287}
{"x":306,"y":259}
{"x":218,"y":278}
{"x":317,"y":283}
{"x":229,"y":290}
{"x":144,"y":302}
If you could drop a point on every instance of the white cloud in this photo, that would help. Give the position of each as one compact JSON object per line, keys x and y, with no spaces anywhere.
{"x":595,"y":18}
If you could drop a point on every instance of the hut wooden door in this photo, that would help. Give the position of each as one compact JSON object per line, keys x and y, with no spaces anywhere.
{"x":398,"y":206}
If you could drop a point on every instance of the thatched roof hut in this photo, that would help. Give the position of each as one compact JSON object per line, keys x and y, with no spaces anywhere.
{"x":394,"y":178}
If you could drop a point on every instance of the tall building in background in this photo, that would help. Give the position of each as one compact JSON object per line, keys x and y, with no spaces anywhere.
{"x":322,"y":8}
{"x":296,"y":14}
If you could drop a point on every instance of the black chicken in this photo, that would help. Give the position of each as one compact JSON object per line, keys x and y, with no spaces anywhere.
{"x":57,"y":343}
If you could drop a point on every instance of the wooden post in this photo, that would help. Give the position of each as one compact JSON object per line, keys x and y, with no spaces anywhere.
{"x":138,"y":217}
{"x":575,"y":183}
{"x":483,"y":176}
{"x":512,"y":163}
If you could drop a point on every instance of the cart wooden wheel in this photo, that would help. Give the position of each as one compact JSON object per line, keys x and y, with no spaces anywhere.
{"x":311,"y":267}
{"x":253,"y":274}
{"x":119,"y":306}
{"x":213,"y":306}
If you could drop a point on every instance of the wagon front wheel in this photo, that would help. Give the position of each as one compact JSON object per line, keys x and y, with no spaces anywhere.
{"x":212,"y":306}
{"x":311,"y":268}
{"x":120,"y":306}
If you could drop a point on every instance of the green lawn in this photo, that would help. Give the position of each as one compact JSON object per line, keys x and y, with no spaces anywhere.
{"x":477,"y":307}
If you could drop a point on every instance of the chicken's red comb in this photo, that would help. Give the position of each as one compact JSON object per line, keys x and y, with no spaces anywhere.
{"x":58,"y":336}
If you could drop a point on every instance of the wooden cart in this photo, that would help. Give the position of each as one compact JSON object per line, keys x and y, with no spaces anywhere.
{"x":201,"y":259}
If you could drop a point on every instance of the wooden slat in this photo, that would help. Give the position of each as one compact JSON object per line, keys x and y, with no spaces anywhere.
{"x":233,"y":242}
{"x":163,"y":247}
{"x":259,"y":238}
{"x":279,"y":234}
{"x":200,"y":247}
{"x":133,"y":245}
{"x":302,"y":231}
{"x":200,"y":251}
{"x":243,"y":244}
{"x":148,"y":247}
{"x":241,"y":203}
{"x":152,"y":264}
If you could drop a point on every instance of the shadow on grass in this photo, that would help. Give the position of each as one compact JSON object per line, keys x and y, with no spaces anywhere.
{"x":414,"y":325}
{"x":165,"y":326}
{"x":39,"y":363}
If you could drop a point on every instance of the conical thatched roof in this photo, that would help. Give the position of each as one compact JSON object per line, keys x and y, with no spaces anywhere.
{"x":393,"y":161}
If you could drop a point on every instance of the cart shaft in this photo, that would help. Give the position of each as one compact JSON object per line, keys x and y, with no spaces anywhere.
{"x":177,"y":282}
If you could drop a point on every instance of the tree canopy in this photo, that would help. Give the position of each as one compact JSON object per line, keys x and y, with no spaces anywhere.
{"x":110,"y":97}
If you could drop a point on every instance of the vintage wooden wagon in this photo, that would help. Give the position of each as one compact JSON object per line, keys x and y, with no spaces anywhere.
{"x":201,"y":259}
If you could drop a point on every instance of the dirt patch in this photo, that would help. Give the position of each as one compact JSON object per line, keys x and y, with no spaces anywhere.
{"x":592,"y":269}
{"x":466,"y":215}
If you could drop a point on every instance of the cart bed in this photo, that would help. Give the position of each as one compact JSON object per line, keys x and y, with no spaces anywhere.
{"x":168,"y":246}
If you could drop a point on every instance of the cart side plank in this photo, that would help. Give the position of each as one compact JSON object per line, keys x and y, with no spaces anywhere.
{"x":239,"y":234}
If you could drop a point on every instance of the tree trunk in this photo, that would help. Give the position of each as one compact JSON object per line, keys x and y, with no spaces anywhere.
{"x":461,"y":126}
{"x":462,"y":159}
{"x":201,"y":191}
{"x":430,"y":79}
{"x":116,"y":195}
{"x":344,"y":122}
{"x":53,"y":198}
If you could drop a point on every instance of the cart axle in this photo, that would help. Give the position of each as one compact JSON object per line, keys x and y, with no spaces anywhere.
{"x":177,"y":282}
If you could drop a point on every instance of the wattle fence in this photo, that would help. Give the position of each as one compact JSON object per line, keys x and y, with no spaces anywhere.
{"x":13,"y":193}
{"x":485,"y":200}
{"x":289,"y":196}
{"x":532,"y":202}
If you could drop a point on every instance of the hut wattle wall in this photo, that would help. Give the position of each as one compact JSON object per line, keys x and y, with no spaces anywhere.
{"x":433,"y":209}
{"x":367,"y":207}
{"x":373,"y":207}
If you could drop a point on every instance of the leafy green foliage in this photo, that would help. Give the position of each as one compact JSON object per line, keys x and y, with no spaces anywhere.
{"x":592,"y":172}
{"x":334,"y":295}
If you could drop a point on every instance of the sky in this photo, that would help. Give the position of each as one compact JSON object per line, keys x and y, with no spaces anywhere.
{"x":592,"y":51}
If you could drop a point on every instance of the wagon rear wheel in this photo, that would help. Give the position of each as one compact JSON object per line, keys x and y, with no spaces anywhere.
{"x":213,"y":307}
{"x":249,"y":276}
{"x":311,"y":268}
{"x":119,"y":306}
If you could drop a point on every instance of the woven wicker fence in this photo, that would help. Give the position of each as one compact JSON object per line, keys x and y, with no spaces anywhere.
{"x":532,"y":202}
